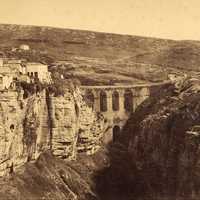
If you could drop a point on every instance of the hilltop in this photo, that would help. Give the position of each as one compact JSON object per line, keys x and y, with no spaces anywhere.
{"x":105,"y":57}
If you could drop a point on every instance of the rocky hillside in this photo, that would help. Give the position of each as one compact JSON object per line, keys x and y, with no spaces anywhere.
{"x":50,"y":178}
{"x":106,"y":58}
{"x":163,"y":140}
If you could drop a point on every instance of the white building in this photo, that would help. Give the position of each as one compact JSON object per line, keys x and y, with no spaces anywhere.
{"x":23,"y":71}
{"x":38,"y":71}
{"x":24,"y":47}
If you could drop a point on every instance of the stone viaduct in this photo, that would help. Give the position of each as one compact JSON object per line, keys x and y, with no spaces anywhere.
{"x":116,"y":103}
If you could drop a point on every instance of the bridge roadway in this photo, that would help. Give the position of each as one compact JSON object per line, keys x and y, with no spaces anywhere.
{"x":116,"y":103}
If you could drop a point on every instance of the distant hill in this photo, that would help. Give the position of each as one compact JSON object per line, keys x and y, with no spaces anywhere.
{"x":125,"y":58}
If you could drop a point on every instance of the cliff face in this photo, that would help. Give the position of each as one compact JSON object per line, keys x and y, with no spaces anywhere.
{"x":161,"y":155}
{"x":23,"y":130}
{"x":165,"y":142}
{"x":75,"y":127}
{"x":33,"y":125}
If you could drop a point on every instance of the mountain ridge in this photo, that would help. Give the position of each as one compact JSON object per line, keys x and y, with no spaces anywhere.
{"x":119,"y":52}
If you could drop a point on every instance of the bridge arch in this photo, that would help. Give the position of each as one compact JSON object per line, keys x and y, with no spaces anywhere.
{"x":128,"y":100}
{"x":89,"y":98}
{"x":103,"y":101}
{"x":115,"y":101}
{"x":116,"y":133}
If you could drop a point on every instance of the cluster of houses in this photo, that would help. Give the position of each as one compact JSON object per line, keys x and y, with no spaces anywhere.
{"x":13,"y":70}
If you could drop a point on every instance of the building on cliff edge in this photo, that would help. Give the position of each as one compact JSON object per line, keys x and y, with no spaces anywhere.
{"x":24,"y":71}
{"x":38,"y":71}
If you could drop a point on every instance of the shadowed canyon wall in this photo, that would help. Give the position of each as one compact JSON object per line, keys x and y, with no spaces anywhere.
{"x":158,"y":157}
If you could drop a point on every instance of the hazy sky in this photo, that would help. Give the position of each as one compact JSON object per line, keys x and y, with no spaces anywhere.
{"x":176,"y":19}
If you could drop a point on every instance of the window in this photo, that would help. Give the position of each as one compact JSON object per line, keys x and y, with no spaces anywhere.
{"x":103,"y":101}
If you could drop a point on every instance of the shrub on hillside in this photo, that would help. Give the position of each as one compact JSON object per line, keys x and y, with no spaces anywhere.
{"x":31,"y":88}
{"x":61,"y":85}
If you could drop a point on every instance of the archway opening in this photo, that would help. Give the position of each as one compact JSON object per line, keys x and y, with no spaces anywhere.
{"x":128,"y":101}
{"x":115,"y":101}
{"x":89,"y":99}
{"x":12,"y":127}
{"x":116,"y":133}
{"x":103,"y":101}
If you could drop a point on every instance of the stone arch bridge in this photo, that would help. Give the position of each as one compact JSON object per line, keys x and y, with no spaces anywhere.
{"x":116,"y":103}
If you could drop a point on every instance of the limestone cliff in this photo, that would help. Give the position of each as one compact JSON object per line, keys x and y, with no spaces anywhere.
{"x":64,"y":124}
{"x":24,"y":131}
{"x":75,"y":127}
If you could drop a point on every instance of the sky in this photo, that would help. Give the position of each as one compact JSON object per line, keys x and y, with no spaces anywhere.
{"x":173,"y":19}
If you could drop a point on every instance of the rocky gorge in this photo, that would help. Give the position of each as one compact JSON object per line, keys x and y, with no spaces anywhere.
{"x":51,"y":144}
{"x":156,"y":157}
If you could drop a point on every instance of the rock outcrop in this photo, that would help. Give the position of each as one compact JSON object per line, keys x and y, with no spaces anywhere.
{"x":30,"y":126}
{"x":165,"y":143}
{"x":160,"y":158}
{"x":23,"y":130}
{"x":47,"y":178}
{"x":75,"y":127}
